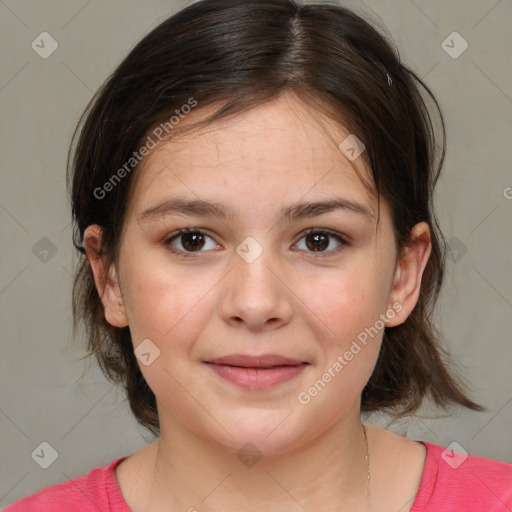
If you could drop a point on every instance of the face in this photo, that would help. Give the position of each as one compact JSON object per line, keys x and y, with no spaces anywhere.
{"x":262,"y":273}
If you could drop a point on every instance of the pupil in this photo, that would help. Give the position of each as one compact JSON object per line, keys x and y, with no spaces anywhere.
{"x":318,"y":243}
{"x":192,"y":240}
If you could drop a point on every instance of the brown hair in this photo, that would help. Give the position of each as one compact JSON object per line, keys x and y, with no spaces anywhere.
{"x":243,"y":54}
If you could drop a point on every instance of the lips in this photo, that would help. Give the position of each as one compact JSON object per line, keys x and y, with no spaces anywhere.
{"x":264,"y":361}
{"x":256,"y":373}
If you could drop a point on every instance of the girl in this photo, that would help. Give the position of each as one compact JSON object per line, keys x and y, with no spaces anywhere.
{"x":253,"y":196}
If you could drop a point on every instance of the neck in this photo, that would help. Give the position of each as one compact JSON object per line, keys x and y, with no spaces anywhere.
{"x":328,"y":472}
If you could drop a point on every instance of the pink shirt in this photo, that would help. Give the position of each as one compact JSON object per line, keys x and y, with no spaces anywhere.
{"x":476,"y":485}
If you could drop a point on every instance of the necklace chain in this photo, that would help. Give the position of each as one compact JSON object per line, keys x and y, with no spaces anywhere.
{"x":368,"y":474}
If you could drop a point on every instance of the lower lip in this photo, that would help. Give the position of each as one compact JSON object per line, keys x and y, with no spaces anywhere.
{"x":252,"y":378}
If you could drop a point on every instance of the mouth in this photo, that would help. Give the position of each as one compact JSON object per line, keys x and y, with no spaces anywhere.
{"x":256,"y":372}
{"x":265,"y":361}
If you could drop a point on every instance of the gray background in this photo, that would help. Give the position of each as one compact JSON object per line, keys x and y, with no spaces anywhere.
{"x":48,"y":395}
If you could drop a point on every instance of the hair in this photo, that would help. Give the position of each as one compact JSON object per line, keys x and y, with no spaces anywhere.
{"x":235,"y":56}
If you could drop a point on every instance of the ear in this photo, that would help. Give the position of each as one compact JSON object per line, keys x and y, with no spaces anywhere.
{"x":106,"y":279}
{"x":408,"y":274}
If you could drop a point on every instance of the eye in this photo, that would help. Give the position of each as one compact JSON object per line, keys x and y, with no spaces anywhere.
{"x":320,"y":239}
{"x":192,"y":240}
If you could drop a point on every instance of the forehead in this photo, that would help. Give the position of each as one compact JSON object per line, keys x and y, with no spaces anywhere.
{"x":279,"y":149}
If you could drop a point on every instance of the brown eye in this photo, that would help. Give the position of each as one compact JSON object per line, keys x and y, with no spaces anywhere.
{"x":188,"y":241}
{"x":192,"y":241}
{"x":321,"y":242}
{"x":317,"y":241}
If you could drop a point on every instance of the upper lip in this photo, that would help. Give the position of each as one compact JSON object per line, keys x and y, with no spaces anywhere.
{"x":247,"y":361}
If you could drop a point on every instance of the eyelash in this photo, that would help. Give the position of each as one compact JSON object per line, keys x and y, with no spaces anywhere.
{"x":312,"y":231}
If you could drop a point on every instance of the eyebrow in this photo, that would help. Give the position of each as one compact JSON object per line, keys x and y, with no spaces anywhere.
{"x":295,"y":211}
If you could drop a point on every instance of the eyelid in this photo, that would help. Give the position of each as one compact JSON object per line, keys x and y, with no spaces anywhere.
{"x":311,"y":231}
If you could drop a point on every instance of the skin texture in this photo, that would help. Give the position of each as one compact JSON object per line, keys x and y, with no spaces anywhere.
{"x":290,"y":301}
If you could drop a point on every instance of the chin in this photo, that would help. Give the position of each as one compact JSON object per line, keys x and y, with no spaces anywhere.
{"x":263,"y":436}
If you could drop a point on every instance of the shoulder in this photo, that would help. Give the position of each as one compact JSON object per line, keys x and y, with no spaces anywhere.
{"x":86,"y":493}
{"x":456,"y":481}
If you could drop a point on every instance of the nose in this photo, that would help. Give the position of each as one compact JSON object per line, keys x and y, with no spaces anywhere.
{"x":255,"y":294}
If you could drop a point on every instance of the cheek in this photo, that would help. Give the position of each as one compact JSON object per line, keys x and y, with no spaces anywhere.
{"x":346,"y":301}
{"x":350,"y":351}
{"x":160,"y":300}
{"x":349,"y":314}
{"x":171,"y":309}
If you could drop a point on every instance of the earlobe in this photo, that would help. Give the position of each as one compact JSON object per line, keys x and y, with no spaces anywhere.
{"x":408,"y":274}
{"x":105,"y":277}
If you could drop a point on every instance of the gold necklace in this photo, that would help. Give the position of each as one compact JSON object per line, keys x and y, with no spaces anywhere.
{"x":368,"y":473}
